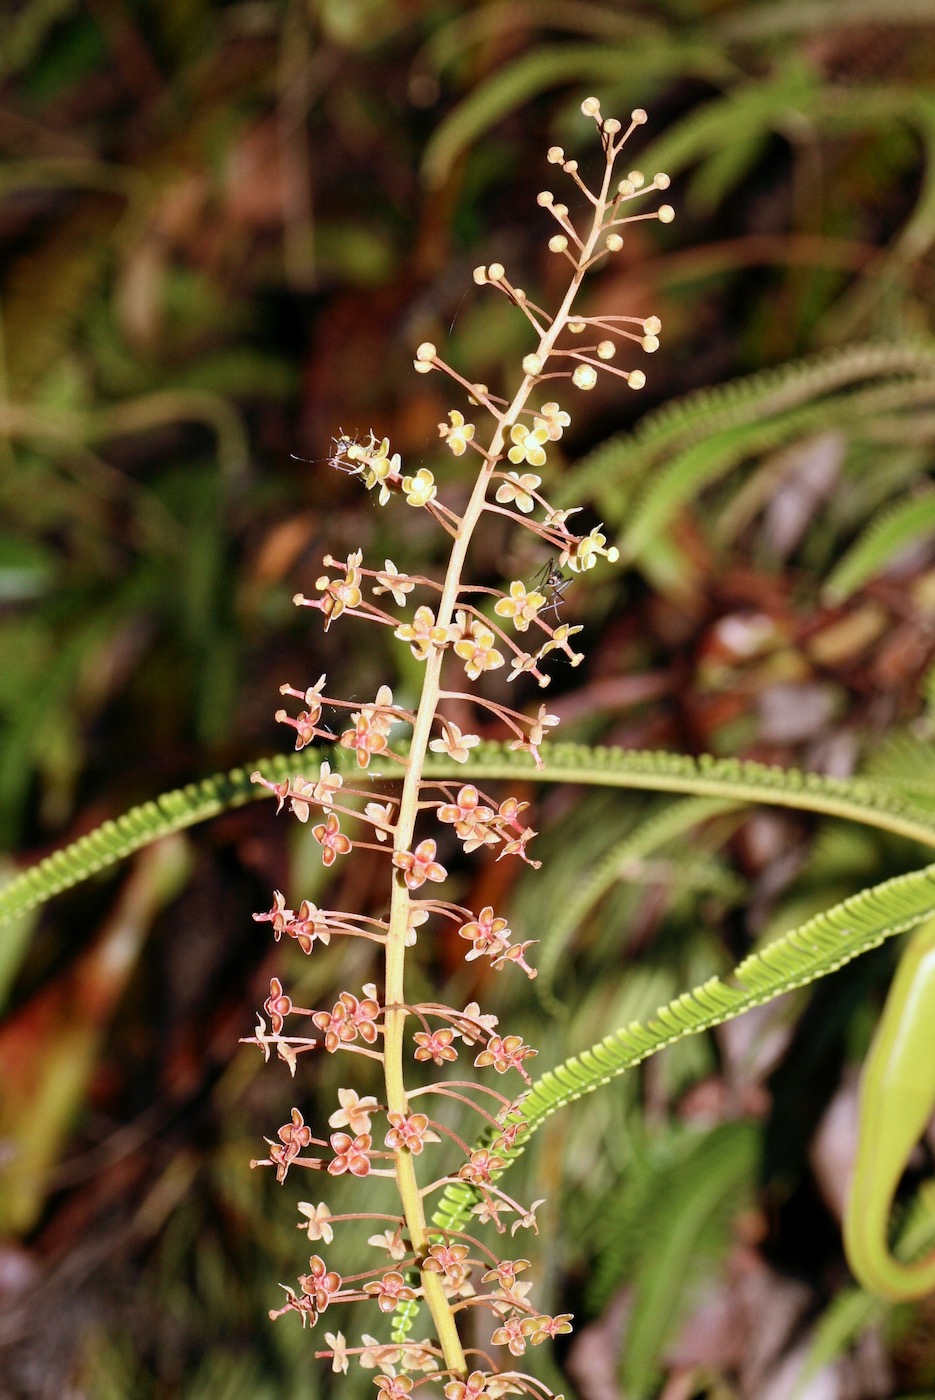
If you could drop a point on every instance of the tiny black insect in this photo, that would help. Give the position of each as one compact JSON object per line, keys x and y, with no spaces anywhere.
{"x":553,"y":583}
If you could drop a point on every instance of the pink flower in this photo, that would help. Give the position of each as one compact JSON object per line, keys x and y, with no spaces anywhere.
{"x":472,"y":1389}
{"x":277,"y":1005}
{"x":422,"y":633}
{"x":351,"y":1154}
{"x":506,"y":1052}
{"x":319,"y":1283}
{"x":392,"y":1387}
{"x":543,"y":1327}
{"x":354,"y":1112}
{"x":448,"y":1259}
{"x":407,"y":1133}
{"x":455,"y":744}
{"x":389,"y":1291}
{"x":319,"y":1221}
{"x":479,"y":1168}
{"x":419,"y":865}
{"x":512,"y":1334}
{"x":487,"y":934}
{"x":435,"y":1045}
{"x":330,"y":836}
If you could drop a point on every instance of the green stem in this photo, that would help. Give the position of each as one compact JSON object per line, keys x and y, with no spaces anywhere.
{"x":395,"y":1014}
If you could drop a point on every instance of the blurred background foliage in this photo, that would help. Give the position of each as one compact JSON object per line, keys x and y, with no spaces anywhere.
{"x":225,"y":227}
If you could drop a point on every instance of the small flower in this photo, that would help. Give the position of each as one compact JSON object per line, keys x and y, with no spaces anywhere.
{"x":553,"y":419}
{"x":351,"y":1154}
{"x":459,"y":434}
{"x":320,"y":1284}
{"x":389,"y":1291}
{"x":527,"y":445}
{"x":420,"y":865}
{"x":409,"y":1133}
{"x":392,"y":1242}
{"x":504,"y":1275}
{"x":330,"y":836}
{"x":381,"y":814}
{"x":393,"y":1387}
{"x":559,"y":641}
{"x":521,"y":606}
{"x":277,"y":1005}
{"x":583,"y":554}
{"x":517,"y":488}
{"x":421,"y":488}
{"x":487,"y":934}
{"x":506,"y":1052}
{"x":479,"y":1169}
{"x":435,"y":1045}
{"x":472,"y":1389}
{"x":339,"y":1356}
{"x":474,"y":1022}
{"x":455,"y":744}
{"x":390,"y":580}
{"x":422,"y":633}
{"x":354,"y":1112}
{"x":366,"y":738}
{"x":511,"y":1334}
{"x":319,"y":1221}
{"x":448,"y":1259}
{"x":379,"y":468}
{"x":340,"y":593}
{"x":478,"y":652}
{"x":308,"y":926}
{"x":522,"y":662}
{"x":545,"y":1326}
{"x":278,"y":915}
{"x":528,"y":1221}
{"x":327,"y":785}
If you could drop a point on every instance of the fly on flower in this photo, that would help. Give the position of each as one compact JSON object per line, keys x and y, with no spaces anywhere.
{"x":553,"y":583}
{"x":337,"y":458}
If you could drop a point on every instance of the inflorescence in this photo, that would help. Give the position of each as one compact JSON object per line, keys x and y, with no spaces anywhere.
{"x":452,"y":625}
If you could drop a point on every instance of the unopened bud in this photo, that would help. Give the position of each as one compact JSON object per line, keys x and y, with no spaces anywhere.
{"x":585,"y":377}
{"x":665,"y":213}
{"x":650,"y":343}
{"x":480,"y":276}
{"x":611,"y":126}
{"x":558,"y":243}
{"x":590,"y":107}
{"x":652,"y":325}
{"x":661,"y":180}
{"x":636,"y":379}
{"x":606,"y":350}
{"x":638,"y":117}
{"x":555,"y":155}
{"x":613,"y":243}
{"x":532,"y":364}
{"x":495,"y":271}
{"x":545,"y":198}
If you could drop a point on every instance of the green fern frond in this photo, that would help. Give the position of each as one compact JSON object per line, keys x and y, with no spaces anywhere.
{"x":114,"y":840}
{"x":751,"y":399}
{"x":591,"y":885}
{"x":894,"y":529}
{"x":539,"y":69}
{"x":814,"y":949}
{"x":854,"y":799}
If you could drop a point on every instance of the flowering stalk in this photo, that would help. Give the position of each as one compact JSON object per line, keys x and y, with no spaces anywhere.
{"x":431,"y":1264}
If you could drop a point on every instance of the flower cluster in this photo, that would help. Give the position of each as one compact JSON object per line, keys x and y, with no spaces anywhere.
{"x":383,"y":798}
